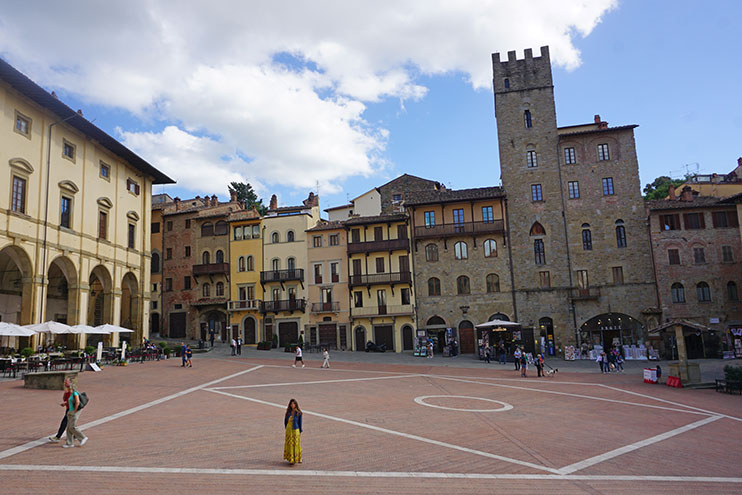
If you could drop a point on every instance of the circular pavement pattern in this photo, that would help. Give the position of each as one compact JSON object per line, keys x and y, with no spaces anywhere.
{"x":421,"y":400}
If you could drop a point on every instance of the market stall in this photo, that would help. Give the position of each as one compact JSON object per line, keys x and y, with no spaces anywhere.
{"x":511,"y":334}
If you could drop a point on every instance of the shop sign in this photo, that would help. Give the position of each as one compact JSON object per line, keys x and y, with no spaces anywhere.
{"x":713,"y":320}
{"x":421,"y":333}
{"x":736,"y":331}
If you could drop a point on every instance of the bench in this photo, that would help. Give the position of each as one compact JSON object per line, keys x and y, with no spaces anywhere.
{"x":729,"y":387}
{"x":49,"y":380}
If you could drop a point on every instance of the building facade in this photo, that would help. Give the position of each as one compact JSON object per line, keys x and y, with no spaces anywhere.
{"x":74,"y":241}
{"x":159,"y":203}
{"x":246,"y":263}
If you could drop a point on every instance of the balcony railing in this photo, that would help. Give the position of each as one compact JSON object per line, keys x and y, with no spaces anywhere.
{"x":588,"y":294}
{"x":452,"y":229}
{"x":370,"y":246}
{"x":404,"y":309}
{"x":381,"y":278}
{"x":253,"y":304}
{"x":283,"y":305}
{"x":326,"y":307}
{"x":282,"y":275}
{"x":211,"y":269}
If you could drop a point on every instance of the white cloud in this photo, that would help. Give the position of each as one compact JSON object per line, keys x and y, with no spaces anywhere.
{"x":207,"y":68}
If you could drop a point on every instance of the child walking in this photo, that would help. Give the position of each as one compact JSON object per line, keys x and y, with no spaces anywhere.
{"x":326,"y":358}
{"x":292,"y":441}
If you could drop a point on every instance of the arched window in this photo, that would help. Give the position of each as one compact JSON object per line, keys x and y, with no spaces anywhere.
{"x":155,"y":263}
{"x":678,"y":292}
{"x":275,"y":264}
{"x":206,"y":258}
{"x":241,"y":264}
{"x":527,"y":119}
{"x":537,"y":229}
{"x":490,"y":248}
{"x":220,"y":256}
{"x":219,"y":289}
{"x":291,"y":263}
{"x":434,"y":287}
{"x":703,"y":292}
{"x":250,"y":264}
{"x":461,"y":250}
{"x":587,"y":237}
{"x":493,"y":282}
{"x":462,"y":285}
{"x":431,"y":252}
{"x":207,"y":229}
{"x":732,"y":291}
{"x":206,"y":290}
{"x":221,"y":228}
{"x":539,"y":251}
{"x":275,"y":238}
{"x":290,"y":236}
{"x":620,"y":234}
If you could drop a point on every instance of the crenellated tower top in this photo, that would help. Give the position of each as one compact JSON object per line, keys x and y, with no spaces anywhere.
{"x":527,"y":73}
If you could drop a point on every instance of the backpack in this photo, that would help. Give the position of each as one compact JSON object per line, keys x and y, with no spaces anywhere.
{"x":83,"y":400}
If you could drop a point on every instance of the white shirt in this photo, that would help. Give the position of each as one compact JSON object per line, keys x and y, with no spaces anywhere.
{"x":326,"y":355}
{"x":298,"y":351}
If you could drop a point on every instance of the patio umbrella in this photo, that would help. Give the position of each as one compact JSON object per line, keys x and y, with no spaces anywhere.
{"x":50,"y":327}
{"x":87,"y":329}
{"x":13,"y":330}
{"x":114,"y":328}
{"x":498,"y":324}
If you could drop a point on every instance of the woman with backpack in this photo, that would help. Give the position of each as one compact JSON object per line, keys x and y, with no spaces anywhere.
{"x":73,"y":412}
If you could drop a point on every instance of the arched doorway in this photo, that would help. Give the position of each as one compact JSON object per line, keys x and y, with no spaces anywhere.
{"x":360,"y":336}
{"x":215,"y":321}
{"x":249,"y":330}
{"x":609,"y":330}
{"x":408,"y":338}
{"x":466,"y":337}
{"x":546,"y":335}
{"x":436,"y":331}
{"x":61,"y":301}
{"x":130,"y":309}
{"x":16,"y":289}
{"x":100,"y":302}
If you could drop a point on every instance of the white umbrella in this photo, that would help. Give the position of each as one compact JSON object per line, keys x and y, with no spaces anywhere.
{"x":498,"y":324}
{"x":87,"y":329}
{"x":13,"y":330}
{"x":50,"y":327}
{"x":113,"y":328}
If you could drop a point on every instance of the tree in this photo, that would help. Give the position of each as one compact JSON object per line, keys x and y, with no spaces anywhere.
{"x":660,"y":187}
{"x":247,"y":196}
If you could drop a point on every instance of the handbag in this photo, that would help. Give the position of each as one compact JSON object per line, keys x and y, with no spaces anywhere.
{"x":83,"y":401}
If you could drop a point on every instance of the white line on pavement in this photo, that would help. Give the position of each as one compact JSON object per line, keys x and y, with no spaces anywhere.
{"x":398,"y":433}
{"x":42,"y":441}
{"x":313,"y":382}
{"x":635,"y":446}
{"x":367,"y":474}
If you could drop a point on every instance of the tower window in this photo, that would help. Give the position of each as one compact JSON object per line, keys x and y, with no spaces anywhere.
{"x":527,"y":119}
{"x":603,"y":152}
{"x":536,"y":193}
{"x":608,"y":186}
{"x":539,"y":252}
{"x":507,"y":83}
{"x":570,"y":157}
{"x":531,"y":159}
{"x":574,"y":189}
{"x":587,"y":238}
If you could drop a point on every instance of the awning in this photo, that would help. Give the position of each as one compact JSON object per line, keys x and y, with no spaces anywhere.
{"x":686,"y":324}
{"x":498,"y":325}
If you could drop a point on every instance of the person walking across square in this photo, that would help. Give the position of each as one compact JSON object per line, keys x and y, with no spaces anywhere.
{"x":239,"y":346}
{"x":298,"y":357}
{"x":63,"y":424}
{"x":325,"y":358}
{"x":233,"y":345}
{"x":73,"y":412}
{"x":517,"y":355}
{"x":292,"y":422}
{"x":183,"y":354}
{"x":189,"y":355}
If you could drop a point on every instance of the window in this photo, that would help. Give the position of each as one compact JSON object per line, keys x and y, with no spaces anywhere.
{"x":673,"y":256}
{"x":68,"y":150}
{"x":587,"y":237}
{"x":727,"y":255}
{"x":379,"y":265}
{"x":334,"y":239}
{"x":237,"y":233}
{"x":131,"y":237}
{"x":531,"y":159}
{"x":570,"y":158}
{"x":429,"y":218}
{"x":22,"y":124}
{"x":105,"y":171}
{"x":620,"y":234}
{"x":168,"y":284}
{"x":275,"y":264}
{"x":724,"y":219}
{"x":220,"y":256}
{"x":256,"y":231}
{"x":678,"y":293}
{"x":132,"y":187}
{"x":220,"y":289}
{"x":699,"y":256}
{"x":169,"y":253}
{"x":154,"y":287}
{"x":434,"y":287}
{"x":317,"y":274}
{"x":574,"y":189}
{"x":487,"y":215}
{"x":358,"y":299}
{"x":506,"y":83}
{"x":490,"y":248}
{"x":170,"y":226}
{"x":155,"y":228}
{"x":18,"y":198}
{"x":250,"y":264}
{"x":205,"y":258}
{"x":65,"y":209}
{"x":603,"y":152}
{"x":617,"y":275}
{"x":670,"y":222}
{"x":154,"y":304}
{"x":404,"y":296}
{"x":276,"y":294}
{"x":335,"y":272}
{"x":317,"y":241}
{"x":275,"y":238}
{"x":206,"y":290}
{"x":694,"y":221}
{"x":462,"y":285}
{"x":583,"y":282}
{"x":102,"y":225}
{"x":207,"y":229}
{"x":493,"y":282}
{"x":527,"y":119}
{"x":187,"y":224}
{"x":703,"y":292}
{"x":536,"y":194}
{"x":732,"y":291}
{"x":608,"y":186}
{"x":187,"y":282}
{"x":326,"y":297}
{"x":431,"y":252}
{"x":155,"y":264}
{"x":458,"y":220}
{"x":544,"y":280}
{"x":461,"y":250}
{"x":241,"y":264}
{"x":221,"y":228}
{"x":291,"y":263}
{"x":187,"y":253}
{"x":290,"y":236}
{"x":356,"y":235}
{"x":402,"y":231}
{"x":538,"y":251}
{"x":537,"y":229}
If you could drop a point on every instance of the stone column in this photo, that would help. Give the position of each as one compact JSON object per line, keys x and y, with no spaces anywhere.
{"x":682,"y":354}
{"x":116,"y":316}
{"x":83,"y":300}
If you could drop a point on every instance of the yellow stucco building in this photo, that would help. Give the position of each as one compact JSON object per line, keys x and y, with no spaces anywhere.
{"x":246,"y":264}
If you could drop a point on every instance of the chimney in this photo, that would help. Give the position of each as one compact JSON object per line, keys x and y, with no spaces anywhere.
{"x":214,"y":200}
{"x":176,"y":200}
{"x":597,"y":119}
{"x":233,"y":196}
{"x":273,"y":203}
{"x":686,"y":194}
{"x":739,"y":161}
{"x":198,"y":199}
{"x":601,"y":124}
{"x":671,"y":193}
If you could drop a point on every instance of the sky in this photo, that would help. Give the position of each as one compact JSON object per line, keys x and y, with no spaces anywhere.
{"x":338,"y":97}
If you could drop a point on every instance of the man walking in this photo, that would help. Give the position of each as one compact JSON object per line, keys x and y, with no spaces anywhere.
{"x":502,"y":358}
{"x":211,"y":337}
{"x":239,"y":346}
{"x":517,"y":354}
{"x":183,"y":354}
{"x":298,"y":358}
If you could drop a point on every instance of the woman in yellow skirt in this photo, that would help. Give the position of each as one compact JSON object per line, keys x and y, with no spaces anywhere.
{"x":292,"y":444}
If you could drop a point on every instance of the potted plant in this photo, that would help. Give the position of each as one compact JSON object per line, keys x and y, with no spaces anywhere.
{"x":275,"y":341}
{"x":27,"y":352}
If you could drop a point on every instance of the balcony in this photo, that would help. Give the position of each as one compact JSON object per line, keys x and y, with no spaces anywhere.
{"x":326,"y":307}
{"x":249,"y":304}
{"x":371,"y":246}
{"x":211,"y":269}
{"x":283,"y":305}
{"x":381,"y":278}
{"x":404,"y":309}
{"x":466,"y":228}
{"x":587,"y":294}
{"x":282,"y":275}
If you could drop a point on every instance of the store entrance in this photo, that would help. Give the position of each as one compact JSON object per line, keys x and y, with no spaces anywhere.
{"x":612,"y":331}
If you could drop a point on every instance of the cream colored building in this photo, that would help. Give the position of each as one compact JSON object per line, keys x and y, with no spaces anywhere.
{"x":91,"y":263}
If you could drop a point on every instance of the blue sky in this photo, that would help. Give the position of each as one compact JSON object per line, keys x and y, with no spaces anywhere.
{"x":368,"y":93}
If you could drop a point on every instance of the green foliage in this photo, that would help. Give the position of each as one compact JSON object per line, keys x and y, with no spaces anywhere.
{"x":246,"y":195}
{"x":275,"y":340}
{"x":733,"y":373}
{"x":26,"y":352}
{"x":265,"y":345}
{"x":89,"y":350}
{"x":659,"y":188}
{"x":165,"y":349}
{"x":163,"y":345}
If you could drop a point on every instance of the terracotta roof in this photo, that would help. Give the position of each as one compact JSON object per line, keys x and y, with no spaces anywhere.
{"x":396,"y":217}
{"x":676,"y":204}
{"x":597,"y":131}
{"x":339,"y":207}
{"x":736,"y":198}
{"x":327,"y":226}
{"x":685,"y":323}
{"x":209,"y":301}
{"x":243,"y":215}
{"x":450,"y":195}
